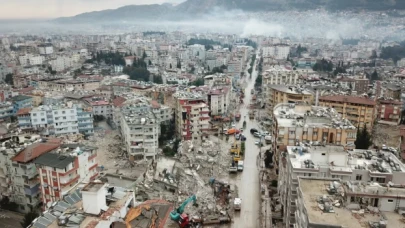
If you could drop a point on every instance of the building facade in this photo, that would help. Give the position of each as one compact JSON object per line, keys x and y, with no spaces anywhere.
{"x":278,"y":94}
{"x":358,"y":110}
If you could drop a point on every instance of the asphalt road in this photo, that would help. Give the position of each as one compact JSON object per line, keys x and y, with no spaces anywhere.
{"x":248,"y":180}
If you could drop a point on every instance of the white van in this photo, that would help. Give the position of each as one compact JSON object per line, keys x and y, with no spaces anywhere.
{"x":240,"y":166}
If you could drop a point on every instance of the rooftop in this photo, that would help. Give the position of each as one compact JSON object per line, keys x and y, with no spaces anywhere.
{"x":54,"y":160}
{"x":290,"y":89}
{"x":308,"y":155}
{"x":20,"y":98}
{"x":313,"y":191}
{"x":37,"y":149}
{"x":93,"y":187}
{"x":307,"y":116}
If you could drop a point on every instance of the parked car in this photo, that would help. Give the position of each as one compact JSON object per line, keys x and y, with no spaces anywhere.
{"x":265,"y":133}
{"x":384,"y":147}
{"x":253,"y":130}
{"x":237,"y":137}
{"x":242,"y":138}
{"x":257,"y":134}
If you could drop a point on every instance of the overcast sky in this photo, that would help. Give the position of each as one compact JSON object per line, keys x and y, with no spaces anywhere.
{"x":23,"y":9}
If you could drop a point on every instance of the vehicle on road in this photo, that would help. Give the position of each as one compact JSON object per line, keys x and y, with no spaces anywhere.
{"x":268,"y":139}
{"x":265,"y":133}
{"x":237,"y":137}
{"x":259,"y":143}
{"x":384,"y":147}
{"x":237,"y":203}
{"x":233,"y":168}
{"x":232,"y":131}
{"x":240,"y":166}
{"x":257,"y":135}
{"x":237,"y":117}
{"x":242,"y":138}
{"x":253,"y":130}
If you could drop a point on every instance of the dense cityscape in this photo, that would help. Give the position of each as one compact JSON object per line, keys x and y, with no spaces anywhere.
{"x":236,"y":118}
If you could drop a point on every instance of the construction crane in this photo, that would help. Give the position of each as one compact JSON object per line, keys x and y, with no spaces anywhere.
{"x":177,"y":214}
{"x":133,"y":213}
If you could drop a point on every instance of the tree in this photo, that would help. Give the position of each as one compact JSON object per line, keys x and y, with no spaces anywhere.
{"x":198,"y":82}
{"x":157,"y":79}
{"x":363,"y":140}
{"x":9,"y":79}
{"x":144,"y":55}
{"x":28,"y":218}
{"x":374,"y":76}
{"x":178,"y":64}
{"x":150,"y":62}
{"x":170,"y":66}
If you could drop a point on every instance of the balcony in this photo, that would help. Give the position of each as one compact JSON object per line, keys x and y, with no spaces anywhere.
{"x":32,"y":191}
{"x":30,"y":173}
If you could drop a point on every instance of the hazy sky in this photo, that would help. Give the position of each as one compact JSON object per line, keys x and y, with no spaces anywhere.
{"x":16,"y":9}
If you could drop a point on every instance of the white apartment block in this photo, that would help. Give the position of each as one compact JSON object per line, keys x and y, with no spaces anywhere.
{"x":357,"y":166}
{"x":57,"y":119}
{"x":101,"y":107}
{"x":45,"y":49}
{"x":218,"y":100}
{"x":140,"y":131}
{"x":61,"y":63}
{"x":279,"y":75}
{"x":30,"y":60}
{"x":276,"y":51}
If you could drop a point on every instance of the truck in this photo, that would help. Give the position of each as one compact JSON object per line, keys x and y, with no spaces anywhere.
{"x":232,"y":131}
{"x":251,"y":115}
{"x":237,"y":203}
{"x":240,"y":166}
{"x":268,"y":139}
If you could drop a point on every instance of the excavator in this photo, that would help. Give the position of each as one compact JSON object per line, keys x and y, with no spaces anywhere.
{"x":135,"y":212}
{"x":182,"y":219}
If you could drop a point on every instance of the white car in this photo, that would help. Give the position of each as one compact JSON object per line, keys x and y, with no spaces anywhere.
{"x":384,"y":147}
{"x":233,"y":125}
{"x":265,"y":133}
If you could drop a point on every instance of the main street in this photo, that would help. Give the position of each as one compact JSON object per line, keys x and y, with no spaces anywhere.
{"x":248,"y":180}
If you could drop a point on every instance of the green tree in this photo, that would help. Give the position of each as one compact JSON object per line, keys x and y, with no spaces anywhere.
{"x":198,"y":82}
{"x":178,"y":64}
{"x":9,"y":79}
{"x":28,"y":218}
{"x":170,"y":66}
{"x":150,"y":62}
{"x":363,"y":140}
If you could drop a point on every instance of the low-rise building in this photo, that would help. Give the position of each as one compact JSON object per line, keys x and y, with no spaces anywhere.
{"x":6,"y":110}
{"x":100,"y":107}
{"x":359,"y":110}
{"x":389,"y":111}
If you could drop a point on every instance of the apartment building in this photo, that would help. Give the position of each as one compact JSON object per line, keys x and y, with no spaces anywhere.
{"x":219,"y":100}
{"x":18,"y":174}
{"x":279,"y":75}
{"x":191,"y":116}
{"x":45,"y":49}
{"x":357,"y":166}
{"x":140,"y":131}
{"x":279,"y":51}
{"x":389,"y":111}
{"x":317,"y":205}
{"x":358,"y":110}
{"x":63,"y":169}
{"x":58,"y":84}
{"x":6,"y":110}
{"x":100,"y":107}
{"x":293,"y":123}
{"x":278,"y":94}
{"x":31,"y":60}
{"x":57,"y":119}
{"x":20,"y":102}
{"x":61,"y":63}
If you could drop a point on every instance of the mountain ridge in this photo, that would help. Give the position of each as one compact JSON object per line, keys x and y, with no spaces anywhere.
{"x":195,"y":8}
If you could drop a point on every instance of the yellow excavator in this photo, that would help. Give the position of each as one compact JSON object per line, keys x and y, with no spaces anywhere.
{"x":134,"y":212}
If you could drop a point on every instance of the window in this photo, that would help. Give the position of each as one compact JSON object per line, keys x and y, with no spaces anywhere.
{"x":64,"y":117}
{"x":34,"y":114}
{"x":42,"y":119}
{"x":56,"y":112}
{"x":323,"y":154}
{"x":390,"y":201}
{"x":358,"y":177}
{"x":63,"y":112}
{"x":291,"y":132}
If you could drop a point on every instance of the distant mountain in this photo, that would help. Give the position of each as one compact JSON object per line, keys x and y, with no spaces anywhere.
{"x":194,"y":8}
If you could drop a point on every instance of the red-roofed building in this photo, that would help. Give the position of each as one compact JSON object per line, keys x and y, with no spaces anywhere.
{"x":129,"y":60}
{"x":100,"y":107}
{"x":359,"y":110}
{"x":20,"y":174}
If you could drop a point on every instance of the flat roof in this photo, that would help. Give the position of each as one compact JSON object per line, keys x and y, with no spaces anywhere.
{"x":312,"y":190}
{"x":290,"y":89}
{"x":54,"y":160}
{"x":93,"y":187}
